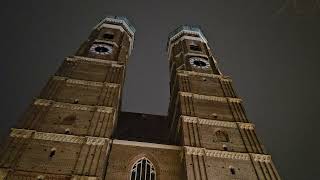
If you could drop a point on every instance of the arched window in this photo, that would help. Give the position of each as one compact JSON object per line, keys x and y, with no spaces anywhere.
{"x":221,"y":136}
{"x":143,"y":169}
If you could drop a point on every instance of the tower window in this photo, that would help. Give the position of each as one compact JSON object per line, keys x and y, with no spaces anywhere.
{"x":69,"y":120}
{"x":40,"y":177}
{"x":143,"y":169}
{"x":76,"y":101}
{"x":52,"y":152}
{"x":214,"y":115}
{"x":225,"y":147}
{"x":194,"y":47}
{"x":221,"y":136}
{"x":67,"y":131}
{"x":232,"y":170}
{"x":108,"y":36}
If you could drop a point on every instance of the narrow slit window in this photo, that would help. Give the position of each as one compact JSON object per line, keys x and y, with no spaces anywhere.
{"x":232,"y":171}
{"x":52,"y":152}
{"x":76,"y":101}
{"x":143,"y":169}
{"x":225,"y":147}
{"x":67,"y":131}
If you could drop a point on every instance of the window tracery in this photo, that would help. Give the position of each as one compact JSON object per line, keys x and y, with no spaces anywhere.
{"x":143,"y":169}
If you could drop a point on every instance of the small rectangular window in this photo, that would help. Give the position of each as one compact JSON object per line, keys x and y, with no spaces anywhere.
{"x":233,"y":172}
{"x":108,"y":36}
{"x":195,"y":48}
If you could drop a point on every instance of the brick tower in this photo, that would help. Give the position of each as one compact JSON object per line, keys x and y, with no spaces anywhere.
{"x":74,"y":130}
{"x":65,"y":132}
{"x":207,"y":117}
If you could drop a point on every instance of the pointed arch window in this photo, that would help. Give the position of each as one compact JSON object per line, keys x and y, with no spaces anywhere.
{"x":143,"y":169}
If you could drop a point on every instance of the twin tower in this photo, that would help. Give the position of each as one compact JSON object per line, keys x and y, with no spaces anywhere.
{"x":74,"y":130}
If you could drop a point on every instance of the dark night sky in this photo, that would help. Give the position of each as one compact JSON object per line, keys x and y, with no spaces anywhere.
{"x":271,"y":54}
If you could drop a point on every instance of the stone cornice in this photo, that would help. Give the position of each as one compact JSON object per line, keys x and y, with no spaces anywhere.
{"x":58,"y":137}
{"x":248,"y":126}
{"x":45,"y":102}
{"x":145,"y":144}
{"x":83,"y":82}
{"x":227,"y":155}
{"x":111,"y":20}
{"x":21,"y":133}
{"x":102,"y":61}
{"x":217,"y":123}
{"x":96,"y":141}
{"x":210,"y":98}
{"x":261,"y":157}
{"x":211,"y":122}
{"x":106,"y":42}
{"x":77,"y":177}
{"x":25,"y":133}
{"x":193,"y":73}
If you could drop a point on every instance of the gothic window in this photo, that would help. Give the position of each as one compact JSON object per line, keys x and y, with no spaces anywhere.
{"x":143,"y":169}
{"x":221,"y":136}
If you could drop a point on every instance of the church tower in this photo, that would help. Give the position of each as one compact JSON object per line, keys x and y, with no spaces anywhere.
{"x":207,"y":117}
{"x":74,"y":130}
{"x":66,"y":131}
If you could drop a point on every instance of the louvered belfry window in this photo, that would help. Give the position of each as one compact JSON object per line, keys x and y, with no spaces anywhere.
{"x":143,"y":169}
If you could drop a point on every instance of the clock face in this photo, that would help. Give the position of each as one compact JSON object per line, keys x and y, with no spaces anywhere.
{"x":199,"y":62}
{"x":102,"y":49}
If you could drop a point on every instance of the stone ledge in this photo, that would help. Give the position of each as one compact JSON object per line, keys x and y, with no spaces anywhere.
{"x":89,"y":140}
{"x":192,"y":73}
{"x":192,"y":119}
{"x":45,"y":102}
{"x":103,"y":61}
{"x":145,"y":144}
{"x":76,"y":177}
{"x":210,"y":98}
{"x":227,"y":155}
{"x":83,"y":82}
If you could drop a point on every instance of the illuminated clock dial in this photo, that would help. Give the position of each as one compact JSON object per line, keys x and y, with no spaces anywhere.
{"x":102,"y":49}
{"x":199,"y":62}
